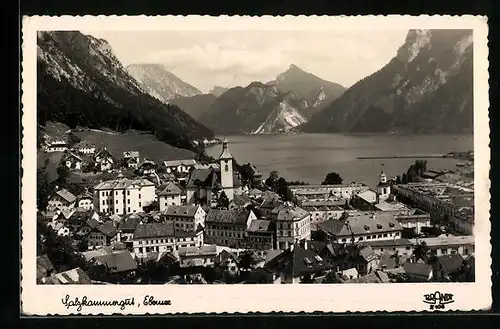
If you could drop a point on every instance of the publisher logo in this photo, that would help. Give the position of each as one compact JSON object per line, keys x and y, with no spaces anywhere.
{"x":438,"y":300}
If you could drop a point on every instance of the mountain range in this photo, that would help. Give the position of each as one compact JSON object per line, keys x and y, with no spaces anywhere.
{"x":157,"y":81}
{"x":81,"y":82}
{"x":425,"y":88}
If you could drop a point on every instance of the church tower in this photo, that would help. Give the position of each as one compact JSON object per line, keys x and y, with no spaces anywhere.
{"x":226,"y":171}
{"x":383,"y":187}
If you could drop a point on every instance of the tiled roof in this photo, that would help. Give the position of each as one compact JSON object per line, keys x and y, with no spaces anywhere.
{"x":227,"y":216}
{"x":175,"y":163}
{"x":118,"y":262}
{"x":259,"y":225}
{"x":270,"y":203}
{"x":241,"y":200}
{"x":194,"y":251}
{"x":444,"y":240}
{"x":367,"y":253}
{"x":107,"y":229}
{"x":129,"y":223}
{"x":386,"y":243}
{"x":170,"y":189}
{"x":74,"y":276}
{"x":374,"y":277}
{"x":122,"y":183}
{"x":198,"y":175}
{"x":290,"y":213}
{"x":181,"y":211}
{"x":133,"y":154}
{"x":451,"y":263}
{"x":417,"y":269}
{"x":297,"y":262}
{"x":66,"y":195}
{"x":160,"y":230}
{"x":362,"y":223}
{"x":71,"y":155}
{"x":97,"y":252}
{"x":255,"y":192}
{"x":225,"y":255}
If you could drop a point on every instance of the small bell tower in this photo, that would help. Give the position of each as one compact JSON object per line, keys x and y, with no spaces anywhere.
{"x":383,"y":188}
{"x":226,"y":170}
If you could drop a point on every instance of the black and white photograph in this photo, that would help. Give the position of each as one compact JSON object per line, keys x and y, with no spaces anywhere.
{"x":261,"y":156}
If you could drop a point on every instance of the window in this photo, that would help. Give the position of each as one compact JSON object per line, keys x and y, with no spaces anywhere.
{"x":116,"y":201}
{"x":466,"y":251}
{"x":444,"y":251}
{"x":139,"y":204}
{"x":128,"y":192}
{"x":226,"y":168}
{"x":385,"y":235}
{"x":103,"y":202}
{"x":360,"y":238}
{"x":128,"y":201}
{"x":139,"y":195}
{"x":103,"y":193}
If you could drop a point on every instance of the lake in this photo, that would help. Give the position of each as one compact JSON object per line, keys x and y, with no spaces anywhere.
{"x":309,"y":157}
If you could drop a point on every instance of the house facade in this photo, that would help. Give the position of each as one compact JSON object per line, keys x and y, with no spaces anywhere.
{"x":293,"y":224}
{"x":346,"y":191}
{"x":161,"y":237}
{"x":188,"y":218}
{"x":123,"y":196}
{"x":72,"y":162}
{"x":362,"y":226}
{"x":61,"y":200}
{"x":227,"y":227}
{"x":147,"y":167}
{"x":169,"y":196}
{"x":102,"y":235}
{"x":261,"y":235}
{"x":103,"y":160}
{"x":197,"y":256}
{"x":85,"y":201}
{"x":84,"y":147}
{"x":57,"y":146}
{"x":448,"y":244}
{"x":179,"y":166}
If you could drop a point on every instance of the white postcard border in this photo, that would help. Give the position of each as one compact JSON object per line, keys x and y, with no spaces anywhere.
{"x":47,"y":299}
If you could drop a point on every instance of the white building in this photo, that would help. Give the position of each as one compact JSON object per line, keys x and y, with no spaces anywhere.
{"x":448,"y":244}
{"x":179,"y":166}
{"x":163,"y":237}
{"x":85,"y":201}
{"x":345,"y":191}
{"x":362,"y":226}
{"x":61,"y":200}
{"x":226,"y":171}
{"x":57,"y":146}
{"x":293,"y":224}
{"x":104,"y":161}
{"x":169,"y":196}
{"x":72,"y":162}
{"x":84,"y":147}
{"x":123,"y":196}
{"x":188,"y":218}
{"x":383,"y":187}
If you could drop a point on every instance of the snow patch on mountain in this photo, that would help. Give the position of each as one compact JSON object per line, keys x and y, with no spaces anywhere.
{"x":320,"y":99}
{"x":415,"y":42}
{"x":283,"y":118}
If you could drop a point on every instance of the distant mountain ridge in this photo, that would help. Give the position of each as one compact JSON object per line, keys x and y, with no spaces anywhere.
{"x":157,"y":81}
{"x":256,"y":108}
{"x":81,"y":82}
{"x":426,"y":87}
{"x":196,"y":105}
{"x":316,"y":91}
{"x":218,"y":90}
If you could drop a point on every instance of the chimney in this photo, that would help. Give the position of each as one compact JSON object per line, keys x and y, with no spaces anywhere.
{"x":291,"y":247}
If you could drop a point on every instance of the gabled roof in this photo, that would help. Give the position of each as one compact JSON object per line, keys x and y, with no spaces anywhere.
{"x":175,"y":163}
{"x":451,"y":263}
{"x":367,"y":253}
{"x":259,"y":225}
{"x":361,"y":223}
{"x":129,"y":223}
{"x":417,"y":269}
{"x":108,"y":229}
{"x":74,"y":276}
{"x":97,"y":252}
{"x":71,"y":155}
{"x":241,"y":200}
{"x":297,"y":262}
{"x":290,"y":213}
{"x":181,"y":211}
{"x":66,"y":195}
{"x":224,"y":256}
{"x":171,"y":189}
{"x":198,"y":175}
{"x":83,"y":144}
{"x":207,"y":250}
{"x":132,"y":154}
{"x":374,"y":277}
{"x":118,"y":262}
{"x":239,"y":216}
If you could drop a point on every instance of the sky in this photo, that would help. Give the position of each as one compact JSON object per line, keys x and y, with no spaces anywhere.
{"x":206,"y":59}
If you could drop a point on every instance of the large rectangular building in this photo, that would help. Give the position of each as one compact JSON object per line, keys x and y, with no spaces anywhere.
{"x":123,"y":196}
{"x":344,"y":191}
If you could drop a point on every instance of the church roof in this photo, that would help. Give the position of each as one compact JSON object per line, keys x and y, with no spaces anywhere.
{"x":225,"y":151}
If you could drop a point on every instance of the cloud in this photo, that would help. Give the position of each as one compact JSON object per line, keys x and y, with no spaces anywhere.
{"x":228,"y":58}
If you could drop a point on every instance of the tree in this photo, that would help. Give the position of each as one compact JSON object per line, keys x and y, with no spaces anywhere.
{"x":73,"y":139}
{"x":398,"y":180}
{"x":421,"y":251}
{"x":281,"y":188}
{"x":332,"y":178}
{"x":247,"y":260}
{"x":62,"y":175}
{"x":223,"y":201}
{"x":153,"y":206}
{"x":43,"y":190}
{"x":247,"y":174}
{"x":404,"y":178}
{"x":272,"y":180}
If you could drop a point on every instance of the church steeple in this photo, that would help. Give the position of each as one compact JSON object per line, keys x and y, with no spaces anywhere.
{"x":382,"y":178}
{"x":225,"y":151}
